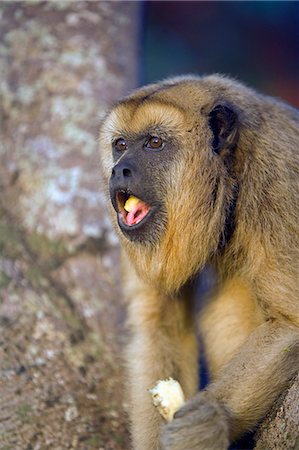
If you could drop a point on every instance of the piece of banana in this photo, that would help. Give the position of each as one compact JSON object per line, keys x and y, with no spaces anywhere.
{"x":168,"y":397}
{"x":131,"y":203}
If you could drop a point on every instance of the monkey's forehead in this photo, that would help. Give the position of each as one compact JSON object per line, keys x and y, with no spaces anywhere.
{"x":174,"y":105}
{"x":132,"y":117}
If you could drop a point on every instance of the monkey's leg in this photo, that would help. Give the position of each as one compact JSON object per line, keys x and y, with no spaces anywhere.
{"x":163,"y":345}
{"x":242,"y":393}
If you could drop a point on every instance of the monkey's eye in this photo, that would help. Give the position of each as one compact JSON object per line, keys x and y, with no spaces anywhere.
{"x":120,"y":144}
{"x":154,"y":143}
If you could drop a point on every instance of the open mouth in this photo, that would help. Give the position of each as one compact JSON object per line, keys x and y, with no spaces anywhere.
{"x":132,"y":210}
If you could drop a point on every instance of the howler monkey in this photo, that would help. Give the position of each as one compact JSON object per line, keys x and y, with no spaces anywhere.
{"x":210,"y":169}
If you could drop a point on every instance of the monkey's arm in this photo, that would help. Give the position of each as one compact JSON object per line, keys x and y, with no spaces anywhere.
{"x":163,"y":345}
{"x":241,"y":394}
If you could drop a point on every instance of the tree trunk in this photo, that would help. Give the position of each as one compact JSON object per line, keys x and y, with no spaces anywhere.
{"x":280,"y":430}
{"x":61,"y":64}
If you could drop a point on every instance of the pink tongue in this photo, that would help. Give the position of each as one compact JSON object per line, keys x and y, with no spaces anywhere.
{"x":137,"y":213}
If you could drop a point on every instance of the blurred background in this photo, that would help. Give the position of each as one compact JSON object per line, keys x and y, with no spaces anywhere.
{"x":253,"y":41}
{"x":62,"y":315}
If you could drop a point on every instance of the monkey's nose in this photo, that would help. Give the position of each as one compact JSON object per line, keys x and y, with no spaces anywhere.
{"x":122,"y":171}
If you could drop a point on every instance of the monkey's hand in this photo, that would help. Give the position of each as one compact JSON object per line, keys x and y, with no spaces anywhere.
{"x":201,"y":424}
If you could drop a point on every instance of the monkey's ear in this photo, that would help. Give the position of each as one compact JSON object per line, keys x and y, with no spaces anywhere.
{"x":223,"y":121}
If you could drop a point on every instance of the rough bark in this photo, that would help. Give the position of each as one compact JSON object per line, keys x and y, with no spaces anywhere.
{"x":61,"y":64}
{"x":280,"y":430}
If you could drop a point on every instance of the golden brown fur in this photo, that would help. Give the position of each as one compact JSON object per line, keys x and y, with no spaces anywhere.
{"x":250,"y":327}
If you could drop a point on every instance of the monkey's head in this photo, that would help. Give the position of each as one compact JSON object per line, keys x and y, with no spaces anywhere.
{"x":166,"y":154}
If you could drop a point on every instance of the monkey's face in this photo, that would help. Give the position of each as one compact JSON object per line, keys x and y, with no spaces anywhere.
{"x":166,"y":180}
{"x":143,"y":151}
{"x":137,"y":183}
